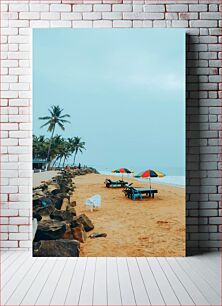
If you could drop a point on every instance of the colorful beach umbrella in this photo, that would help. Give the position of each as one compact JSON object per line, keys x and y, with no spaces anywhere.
{"x":122,"y":170}
{"x":149,"y":173}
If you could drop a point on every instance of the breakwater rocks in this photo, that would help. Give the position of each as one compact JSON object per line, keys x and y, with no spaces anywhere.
{"x":84,"y":171}
{"x":59,"y":230}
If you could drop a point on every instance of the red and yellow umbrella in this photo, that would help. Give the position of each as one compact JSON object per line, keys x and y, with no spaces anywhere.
{"x":122,"y":170}
{"x":149,"y":173}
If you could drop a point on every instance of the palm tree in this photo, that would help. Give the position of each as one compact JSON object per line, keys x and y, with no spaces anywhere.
{"x":65,"y":155}
{"x":64,"y":152}
{"x":72,"y":144}
{"x":77,"y":146}
{"x":40,"y":145}
{"x":55,"y":118}
{"x":56,"y":146}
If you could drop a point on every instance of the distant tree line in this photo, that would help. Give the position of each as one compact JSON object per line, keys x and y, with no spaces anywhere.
{"x":56,"y":149}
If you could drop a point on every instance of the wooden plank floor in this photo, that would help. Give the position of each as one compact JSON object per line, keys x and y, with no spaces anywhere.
{"x":110,"y":281}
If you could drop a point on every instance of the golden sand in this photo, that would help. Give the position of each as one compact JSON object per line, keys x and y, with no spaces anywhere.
{"x":151,"y":227}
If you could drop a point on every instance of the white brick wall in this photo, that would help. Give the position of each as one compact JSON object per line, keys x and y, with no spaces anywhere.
{"x":200,"y":17}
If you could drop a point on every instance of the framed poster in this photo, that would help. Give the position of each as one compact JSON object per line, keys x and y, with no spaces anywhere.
{"x":108,"y":142}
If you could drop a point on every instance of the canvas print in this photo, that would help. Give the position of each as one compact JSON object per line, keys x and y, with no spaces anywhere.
{"x":108,"y":142}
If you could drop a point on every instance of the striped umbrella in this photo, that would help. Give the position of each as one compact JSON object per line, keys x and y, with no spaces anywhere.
{"x":122,"y":170}
{"x":149,"y":173}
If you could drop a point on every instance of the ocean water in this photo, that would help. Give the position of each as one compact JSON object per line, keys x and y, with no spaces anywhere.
{"x":177,"y":180}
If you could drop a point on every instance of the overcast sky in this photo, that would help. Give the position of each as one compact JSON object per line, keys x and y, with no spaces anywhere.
{"x":124,"y":90}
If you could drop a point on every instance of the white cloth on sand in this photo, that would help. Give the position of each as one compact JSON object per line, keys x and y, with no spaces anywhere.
{"x":94,"y":201}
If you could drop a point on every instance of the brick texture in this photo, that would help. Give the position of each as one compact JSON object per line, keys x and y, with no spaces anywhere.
{"x":201,"y":18}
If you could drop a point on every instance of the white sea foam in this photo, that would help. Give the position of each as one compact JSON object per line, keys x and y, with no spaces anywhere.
{"x":179,"y":181}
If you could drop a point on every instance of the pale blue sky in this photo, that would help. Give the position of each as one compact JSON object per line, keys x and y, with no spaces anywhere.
{"x":124,"y":90}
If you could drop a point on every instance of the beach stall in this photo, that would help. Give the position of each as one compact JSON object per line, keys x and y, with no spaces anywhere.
{"x":38,"y":164}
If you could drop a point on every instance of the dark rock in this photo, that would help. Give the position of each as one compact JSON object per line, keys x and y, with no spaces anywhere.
{"x":42,"y":201}
{"x":97,"y":235}
{"x":46,"y":201}
{"x":73,"y":203}
{"x":42,"y":187}
{"x":86,"y":222}
{"x":55,"y":191}
{"x":62,"y":215}
{"x":68,"y":234}
{"x":49,"y":230}
{"x":84,"y":171}
{"x":64,"y":195}
{"x":71,"y":210}
{"x":44,"y":211}
{"x":36,"y":216}
{"x":57,"y":201}
{"x":56,"y":248}
{"x":79,"y":233}
{"x":75,"y":222}
{"x":37,"y":202}
{"x":64,"y":186}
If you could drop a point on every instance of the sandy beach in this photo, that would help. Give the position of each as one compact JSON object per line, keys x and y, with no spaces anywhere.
{"x":151,"y":227}
{"x":38,"y":177}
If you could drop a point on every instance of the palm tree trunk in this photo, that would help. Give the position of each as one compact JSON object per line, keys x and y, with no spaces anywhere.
{"x":64,"y":162}
{"x":49,"y":149}
{"x":60,"y":162}
{"x":74,"y":159}
{"x":54,"y":163}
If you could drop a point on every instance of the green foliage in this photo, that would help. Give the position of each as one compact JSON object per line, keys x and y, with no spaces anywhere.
{"x":39,"y":146}
{"x":56,"y":118}
{"x":76,"y":145}
{"x":56,"y":149}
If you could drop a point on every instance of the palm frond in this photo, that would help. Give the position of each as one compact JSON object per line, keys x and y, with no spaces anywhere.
{"x":45,"y":124}
{"x":50,"y":111}
{"x":61,"y":126}
{"x":44,"y":118}
{"x":64,"y":121}
{"x":65,"y":116}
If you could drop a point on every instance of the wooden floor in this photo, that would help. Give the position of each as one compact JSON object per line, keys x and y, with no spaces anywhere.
{"x":110,"y":281}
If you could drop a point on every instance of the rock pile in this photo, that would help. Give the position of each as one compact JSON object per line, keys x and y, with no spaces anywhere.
{"x":84,"y":171}
{"x":59,"y":229}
